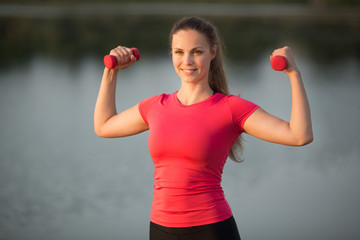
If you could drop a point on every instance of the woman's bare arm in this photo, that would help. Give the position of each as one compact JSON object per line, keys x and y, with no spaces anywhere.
{"x":107,"y":122}
{"x":298,"y":131}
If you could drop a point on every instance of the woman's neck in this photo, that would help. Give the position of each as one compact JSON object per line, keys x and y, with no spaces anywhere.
{"x":188,"y":95}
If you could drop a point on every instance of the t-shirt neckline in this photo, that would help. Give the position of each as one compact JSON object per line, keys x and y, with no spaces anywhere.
{"x":177,"y":101}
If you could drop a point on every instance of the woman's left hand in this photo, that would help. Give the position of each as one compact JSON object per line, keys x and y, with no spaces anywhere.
{"x":286,"y":52}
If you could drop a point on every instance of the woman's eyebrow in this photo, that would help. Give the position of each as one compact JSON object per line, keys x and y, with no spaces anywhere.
{"x":178,"y":48}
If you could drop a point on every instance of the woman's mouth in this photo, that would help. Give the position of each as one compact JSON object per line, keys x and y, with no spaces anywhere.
{"x":189,"y":71}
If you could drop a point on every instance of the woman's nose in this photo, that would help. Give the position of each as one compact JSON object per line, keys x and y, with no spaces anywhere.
{"x":188,"y":59}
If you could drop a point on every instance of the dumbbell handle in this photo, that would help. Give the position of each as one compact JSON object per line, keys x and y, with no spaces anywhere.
{"x":111,"y":62}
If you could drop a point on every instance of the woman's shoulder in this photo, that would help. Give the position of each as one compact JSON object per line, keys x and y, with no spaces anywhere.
{"x":232,"y":99}
{"x":240,"y":109}
{"x":237,"y":103}
{"x":159,"y":98}
{"x":148,"y":103}
{"x":156,"y":97}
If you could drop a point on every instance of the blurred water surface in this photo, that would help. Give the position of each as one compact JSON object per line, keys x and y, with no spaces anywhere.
{"x":59,"y":181}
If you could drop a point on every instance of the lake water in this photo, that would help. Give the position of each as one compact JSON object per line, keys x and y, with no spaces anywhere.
{"x":59,"y":181}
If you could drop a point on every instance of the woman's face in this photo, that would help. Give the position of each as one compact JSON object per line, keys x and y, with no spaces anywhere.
{"x":191,"y":55}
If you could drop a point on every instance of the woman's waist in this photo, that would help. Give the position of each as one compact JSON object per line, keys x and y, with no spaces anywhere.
{"x":187,"y":185}
{"x":187,"y":199}
{"x":189,"y":210}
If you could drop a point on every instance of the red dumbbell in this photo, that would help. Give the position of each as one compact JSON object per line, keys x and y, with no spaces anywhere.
{"x":278,"y":63}
{"x":111,"y":62}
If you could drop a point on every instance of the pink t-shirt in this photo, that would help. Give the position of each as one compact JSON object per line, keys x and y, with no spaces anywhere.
{"x":189,"y":146}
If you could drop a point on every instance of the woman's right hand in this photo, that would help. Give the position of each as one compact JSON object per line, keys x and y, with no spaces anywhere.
{"x":124,"y":57}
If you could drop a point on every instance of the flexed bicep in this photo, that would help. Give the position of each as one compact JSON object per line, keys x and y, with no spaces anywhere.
{"x":126,"y":123}
{"x":265,"y":126}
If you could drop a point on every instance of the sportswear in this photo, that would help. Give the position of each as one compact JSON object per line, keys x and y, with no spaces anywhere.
{"x":223,"y":230}
{"x":189,"y":146}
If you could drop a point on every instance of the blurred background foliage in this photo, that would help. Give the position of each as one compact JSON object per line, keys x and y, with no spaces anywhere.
{"x":337,"y":2}
{"x":246,"y":37}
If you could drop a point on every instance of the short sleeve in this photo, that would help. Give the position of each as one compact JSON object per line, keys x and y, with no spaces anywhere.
{"x":240,"y":109}
{"x":145,"y":106}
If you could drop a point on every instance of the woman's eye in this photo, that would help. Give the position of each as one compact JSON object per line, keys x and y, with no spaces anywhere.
{"x":198,"y":52}
{"x":178,"y":52}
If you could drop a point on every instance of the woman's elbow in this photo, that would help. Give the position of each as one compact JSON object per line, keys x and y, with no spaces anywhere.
{"x":305,"y":140}
{"x":99,"y":132}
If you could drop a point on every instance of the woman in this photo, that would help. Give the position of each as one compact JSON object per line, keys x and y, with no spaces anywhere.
{"x":194,"y":130}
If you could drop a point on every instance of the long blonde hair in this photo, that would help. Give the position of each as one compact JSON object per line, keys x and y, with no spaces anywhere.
{"x":217,"y":77}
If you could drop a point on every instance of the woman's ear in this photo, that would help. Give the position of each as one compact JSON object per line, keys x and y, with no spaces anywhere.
{"x":213,"y":52}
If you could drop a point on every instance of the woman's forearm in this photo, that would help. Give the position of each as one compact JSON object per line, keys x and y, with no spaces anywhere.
{"x":300,"y":120}
{"x":105,"y":106}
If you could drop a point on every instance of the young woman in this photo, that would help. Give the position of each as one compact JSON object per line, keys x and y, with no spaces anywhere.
{"x":194,"y":130}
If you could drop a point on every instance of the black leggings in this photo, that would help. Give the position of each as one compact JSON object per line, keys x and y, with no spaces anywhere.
{"x":224,"y":230}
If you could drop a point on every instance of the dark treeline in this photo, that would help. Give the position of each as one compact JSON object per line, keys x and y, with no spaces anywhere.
{"x":314,"y":2}
{"x":327,"y":34}
{"x":245,"y":39}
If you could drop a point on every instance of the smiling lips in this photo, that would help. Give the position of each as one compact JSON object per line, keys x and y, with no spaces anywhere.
{"x":188,"y":71}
